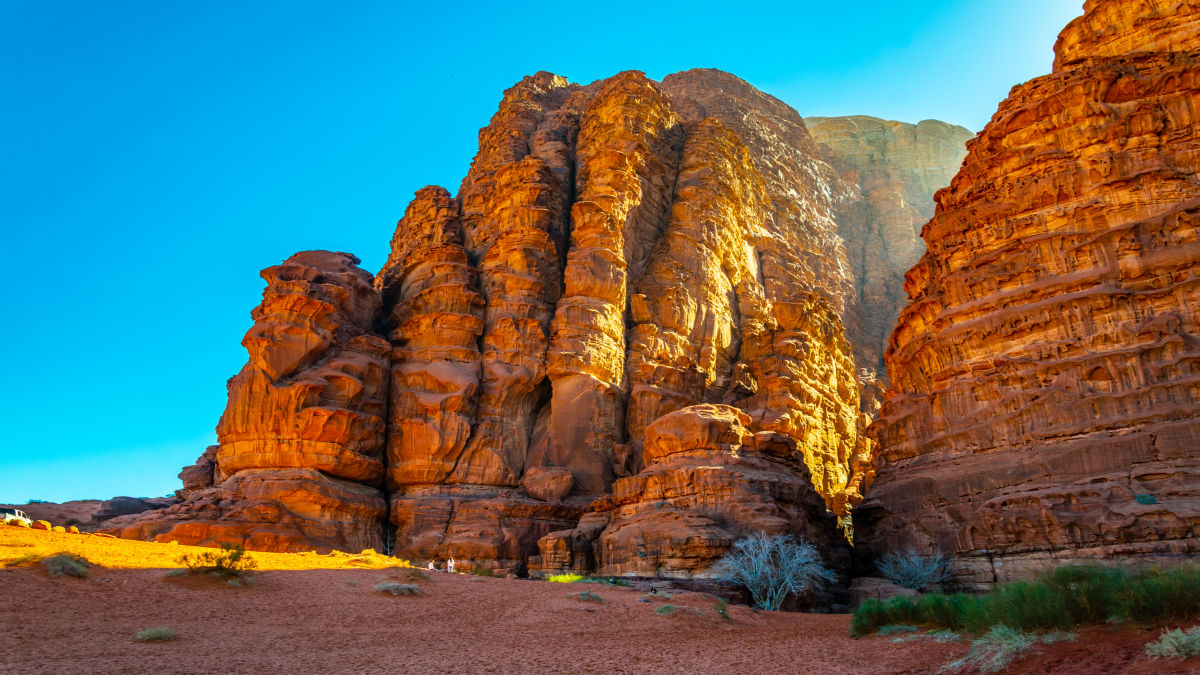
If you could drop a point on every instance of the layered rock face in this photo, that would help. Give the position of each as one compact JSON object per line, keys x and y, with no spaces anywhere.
{"x":615,"y":254}
{"x":708,"y":481}
{"x":299,"y":461}
{"x":894,"y":168}
{"x":1045,"y":375}
{"x":631,"y":336}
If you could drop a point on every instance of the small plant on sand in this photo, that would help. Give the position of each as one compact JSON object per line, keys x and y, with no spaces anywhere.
{"x":665,"y":610}
{"x":773,"y":568}
{"x":67,"y":564}
{"x":416,"y":574}
{"x":1175,"y":644}
{"x":564,"y":578}
{"x":910,"y":569}
{"x":587,"y":596}
{"x":994,"y":651}
{"x":722,"y":608}
{"x":156,"y":635}
{"x":396,"y":588}
{"x":231,"y":562}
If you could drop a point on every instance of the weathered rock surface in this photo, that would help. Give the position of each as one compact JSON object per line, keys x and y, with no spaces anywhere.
{"x":299,"y":460}
{"x":617,"y":252}
{"x":1045,"y":376}
{"x":708,"y":480}
{"x":894,"y":168}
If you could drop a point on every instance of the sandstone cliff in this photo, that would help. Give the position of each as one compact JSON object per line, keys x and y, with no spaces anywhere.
{"x":1045,"y":375}
{"x":630,"y":338}
{"x":894,"y":168}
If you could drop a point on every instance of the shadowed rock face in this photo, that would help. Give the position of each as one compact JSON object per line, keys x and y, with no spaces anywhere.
{"x":1045,"y":374}
{"x":893,"y":169}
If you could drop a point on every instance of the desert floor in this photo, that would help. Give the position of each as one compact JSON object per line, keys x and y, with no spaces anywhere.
{"x":310,"y":613}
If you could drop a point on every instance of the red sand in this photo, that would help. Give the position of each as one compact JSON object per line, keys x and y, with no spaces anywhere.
{"x":332,"y":621}
{"x":302,"y":618}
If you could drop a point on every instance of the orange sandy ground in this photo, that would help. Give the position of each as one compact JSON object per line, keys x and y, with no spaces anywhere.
{"x":311,"y":613}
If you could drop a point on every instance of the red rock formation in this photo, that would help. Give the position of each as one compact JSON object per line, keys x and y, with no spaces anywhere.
{"x":1045,"y":376}
{"x":708,"y":481}
{"x":617,"y":252}
{"x":299,"y":458}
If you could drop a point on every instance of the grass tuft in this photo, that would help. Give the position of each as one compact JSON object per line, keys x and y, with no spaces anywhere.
{"x":665,"y":610}
{"x":67,"y":564}
{"x":396,"y":588}
{"x":156,"y":635}
{"x":230,"y":563}
{"x":587,"y":596}
{"x":994,"y":651}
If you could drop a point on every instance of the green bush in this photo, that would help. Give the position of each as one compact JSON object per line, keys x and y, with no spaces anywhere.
{"x":1067,"y":597}
{"x":1175,"y":644}
{"x":231,"y":562}
{"x":156,"y":635}
{"x":665,"y":610}
{"x":67,"y":564}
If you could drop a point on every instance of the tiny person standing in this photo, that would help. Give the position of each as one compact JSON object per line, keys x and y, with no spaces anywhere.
{"x":450,"y":565}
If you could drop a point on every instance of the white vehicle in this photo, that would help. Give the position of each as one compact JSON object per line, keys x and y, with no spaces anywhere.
{"x":15,"y":516}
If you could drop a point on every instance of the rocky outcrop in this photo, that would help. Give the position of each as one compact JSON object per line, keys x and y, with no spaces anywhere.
{"x":298,"y":465}
{"x":708,"y":480}
{"x":1045,"y":374}
{"x":893,"y":169}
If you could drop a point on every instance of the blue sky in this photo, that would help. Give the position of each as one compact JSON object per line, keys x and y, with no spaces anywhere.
{"x":156,"y":155}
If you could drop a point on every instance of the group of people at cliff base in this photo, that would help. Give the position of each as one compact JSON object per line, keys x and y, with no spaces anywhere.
{"x":432,"y":566}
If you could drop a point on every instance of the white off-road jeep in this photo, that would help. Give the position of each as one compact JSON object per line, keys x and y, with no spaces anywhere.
{"x":15,"y":516}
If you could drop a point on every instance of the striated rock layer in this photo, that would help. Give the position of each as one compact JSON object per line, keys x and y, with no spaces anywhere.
{"x":298,"y":465}
{"x":1045,"y":375}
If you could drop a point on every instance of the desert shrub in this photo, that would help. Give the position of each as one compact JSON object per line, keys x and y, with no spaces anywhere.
{"x":1175,"y":644}
{"x":71,"y":521}
{"x":484,"y":572}
{"x":564,"y":578}
{"x":416,"y":574}
{"x":910,"y":569}
{"x":1067,"y":597}
{"x":231,"y":562}
{"x":995,"y":650}
{"x":156,"y":635}
{"x":175,"y":573}
{"x":67,"y":564}
{"x":396,"y":588}
{"x":772,"y":568}
{"x":665,"y":610}
{"x":587,"y":596}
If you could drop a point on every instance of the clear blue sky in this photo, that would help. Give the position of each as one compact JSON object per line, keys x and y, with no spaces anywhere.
{"x":155,"y":155}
